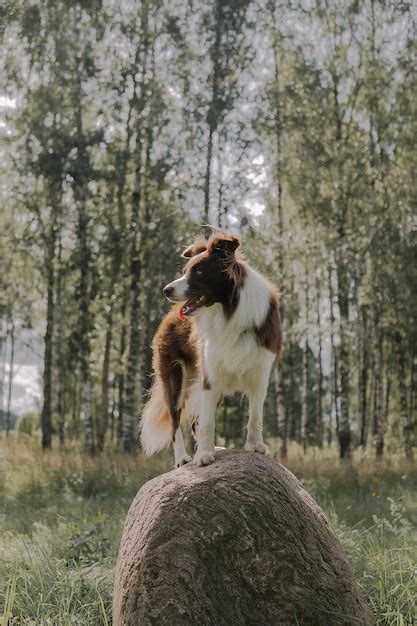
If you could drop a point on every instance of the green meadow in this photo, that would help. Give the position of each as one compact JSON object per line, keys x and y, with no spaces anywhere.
{"x":62,"y":514}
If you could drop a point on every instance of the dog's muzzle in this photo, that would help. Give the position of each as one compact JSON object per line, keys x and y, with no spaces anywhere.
{"x":176,"y":290}
{"x":168,"y":291}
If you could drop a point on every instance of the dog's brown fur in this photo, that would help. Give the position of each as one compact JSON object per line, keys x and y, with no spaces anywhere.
{"x":269,"y":334}
{"x":176,"y":351}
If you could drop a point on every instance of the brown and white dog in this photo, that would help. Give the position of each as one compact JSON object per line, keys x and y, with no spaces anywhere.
{"x":222,"y":335}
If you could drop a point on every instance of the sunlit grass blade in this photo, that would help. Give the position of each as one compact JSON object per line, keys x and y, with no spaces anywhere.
{"x":9,"y":601}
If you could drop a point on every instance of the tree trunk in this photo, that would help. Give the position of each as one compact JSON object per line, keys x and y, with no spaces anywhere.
{"x":46,"y":416}
{"x":279,"y":405}
{"x":85,"y":329}
{"x":134,"y":377}
{"x":319,"y":411}
{"x":122,"y":264}
{"x":335,"y":363}
{"x":288,"y":410}
{"x":207,"y":179}
{"x":104,"y":403}
{"x":343,"y":301}
{"x":259,"y":533}
{"x":60,"y":355}
{"x":363,"y":379}
{"x":341,"y":207}
{"x":285,"y":436}
{"x":87,"y":411}
{"x":304,"y":383}
{"x":10,"y":385}
{"x":3,"y":339}
{"x":406,"y":418}
{"x":113,"y":408}
{"x":388,"y":386}
{"x":412,"y":395}
{"x":221,"y":211}
{"x":280,"y":413}
{"x":85,"y":325}
{"x":212,"y":114}
{"x":379,"y":393}
{"x":278,"y":142}
{"x":121,"y":378}
{"x":130,"y":402}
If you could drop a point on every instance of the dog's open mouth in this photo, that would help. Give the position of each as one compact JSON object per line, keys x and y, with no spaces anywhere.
{"x":190,"y":306}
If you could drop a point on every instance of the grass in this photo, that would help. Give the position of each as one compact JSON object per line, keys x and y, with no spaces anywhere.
{"x":62,"y":514}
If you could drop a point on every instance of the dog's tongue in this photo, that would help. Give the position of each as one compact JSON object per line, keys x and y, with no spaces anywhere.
{"x":189,"y":307}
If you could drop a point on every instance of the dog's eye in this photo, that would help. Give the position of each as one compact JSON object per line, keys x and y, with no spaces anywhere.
{"x":199,"y":273}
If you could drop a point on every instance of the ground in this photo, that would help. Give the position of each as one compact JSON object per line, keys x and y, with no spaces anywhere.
{"x":61,"y":518}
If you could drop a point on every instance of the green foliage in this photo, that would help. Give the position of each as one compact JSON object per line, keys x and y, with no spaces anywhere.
{"x":47,"y":590}
{"x":27,"y":424}
{"x":383,"y":556}
{"x":59,"y":541}
{"x":88,"y":545}
{"x":62,"y":515}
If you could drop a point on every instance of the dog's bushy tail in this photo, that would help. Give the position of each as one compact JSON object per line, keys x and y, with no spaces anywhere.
{"x":155,"y":424}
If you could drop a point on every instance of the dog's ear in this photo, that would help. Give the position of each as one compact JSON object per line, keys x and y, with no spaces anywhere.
{"x":226,"y":245}
{"x":195,"y":248}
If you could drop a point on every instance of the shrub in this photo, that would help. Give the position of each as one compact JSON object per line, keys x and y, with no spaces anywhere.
{"x":27,"y":424}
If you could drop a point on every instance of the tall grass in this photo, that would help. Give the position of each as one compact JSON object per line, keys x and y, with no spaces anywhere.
{"x":61,"y":517}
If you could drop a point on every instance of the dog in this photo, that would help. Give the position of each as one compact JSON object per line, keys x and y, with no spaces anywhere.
{"x":222,"y":335}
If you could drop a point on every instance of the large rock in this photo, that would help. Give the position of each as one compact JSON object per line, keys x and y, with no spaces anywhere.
{"x":238,"y":542}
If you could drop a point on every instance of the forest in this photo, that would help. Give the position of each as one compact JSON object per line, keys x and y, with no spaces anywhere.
{"x":131,"y":126}
{"x":125,"y":129}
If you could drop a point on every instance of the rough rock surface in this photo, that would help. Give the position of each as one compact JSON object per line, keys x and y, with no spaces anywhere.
{"x":237,"y":542}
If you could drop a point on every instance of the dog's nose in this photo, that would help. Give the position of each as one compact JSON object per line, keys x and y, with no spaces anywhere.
{"x":168,"y":291}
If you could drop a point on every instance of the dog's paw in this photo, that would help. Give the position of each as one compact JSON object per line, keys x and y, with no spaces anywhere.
{"x":259,"y":447}
{"x":183,"y":460}
{"x":203,"y":458}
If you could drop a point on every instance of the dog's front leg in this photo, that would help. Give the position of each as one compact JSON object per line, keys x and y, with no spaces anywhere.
{"x":208,"y":401}
{"x":254,"y":437}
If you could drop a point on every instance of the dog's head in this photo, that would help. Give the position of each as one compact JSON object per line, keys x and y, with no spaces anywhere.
{"x":212,"y":274}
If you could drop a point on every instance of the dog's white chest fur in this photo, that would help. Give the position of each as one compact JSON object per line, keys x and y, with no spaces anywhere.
{"x":231,"y":351}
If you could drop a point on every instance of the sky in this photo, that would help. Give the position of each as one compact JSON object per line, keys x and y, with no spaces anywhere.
{"x":27,"y":371}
